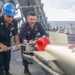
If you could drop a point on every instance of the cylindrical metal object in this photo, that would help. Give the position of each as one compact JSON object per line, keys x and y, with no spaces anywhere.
{"x":64,"y":56}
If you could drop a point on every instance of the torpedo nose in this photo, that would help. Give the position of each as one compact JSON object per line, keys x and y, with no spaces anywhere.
{"x":42,"y":43}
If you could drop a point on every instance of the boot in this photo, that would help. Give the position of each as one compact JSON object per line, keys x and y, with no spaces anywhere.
{"x":7,"y":73}
{"x":26,"y":71}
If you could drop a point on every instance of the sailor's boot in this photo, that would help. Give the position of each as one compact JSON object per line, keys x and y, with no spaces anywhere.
{"x":26,"y":71}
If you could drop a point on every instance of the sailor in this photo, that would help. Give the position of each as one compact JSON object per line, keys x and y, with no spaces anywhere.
{"x":8,"y":27}
{"x":30,"y":32}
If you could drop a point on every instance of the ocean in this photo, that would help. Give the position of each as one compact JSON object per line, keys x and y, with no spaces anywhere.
{"x":55,"y":24}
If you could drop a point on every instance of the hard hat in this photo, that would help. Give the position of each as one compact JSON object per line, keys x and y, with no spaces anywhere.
{"x":42,"y":43}
{"x":9,"y":9}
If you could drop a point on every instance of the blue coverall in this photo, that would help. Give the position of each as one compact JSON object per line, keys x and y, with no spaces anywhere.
{"x":5,"y":38}
{"x":26,"y":32}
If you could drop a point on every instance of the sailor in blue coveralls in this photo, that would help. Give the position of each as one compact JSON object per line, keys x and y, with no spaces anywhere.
{"x":8,"y":27}
{"x":29,"y":32}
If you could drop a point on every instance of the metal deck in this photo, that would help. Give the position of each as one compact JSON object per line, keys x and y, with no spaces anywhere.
{"x":16,"y":67}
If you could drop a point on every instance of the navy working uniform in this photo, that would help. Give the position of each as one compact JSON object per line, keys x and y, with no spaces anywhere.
{"x":5,"y":38}
{"x":28,"y":33}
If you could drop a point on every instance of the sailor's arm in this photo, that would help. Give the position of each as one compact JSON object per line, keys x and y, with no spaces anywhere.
{"x":16,"y":39}
{"x":43,"y":36}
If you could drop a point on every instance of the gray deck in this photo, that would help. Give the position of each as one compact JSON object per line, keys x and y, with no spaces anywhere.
{"x":16,"y":67}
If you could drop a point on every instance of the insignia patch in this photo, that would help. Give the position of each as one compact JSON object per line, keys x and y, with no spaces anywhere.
{"x":36,"y":29}
{"x":11,"y":34}
{"x":12,"y":28}
{"x":1,"y":23}
{"x":28,"y":31}
{"x":12,"y":10}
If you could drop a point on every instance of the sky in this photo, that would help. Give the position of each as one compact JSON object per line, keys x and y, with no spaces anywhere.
{"x":59,"y":10}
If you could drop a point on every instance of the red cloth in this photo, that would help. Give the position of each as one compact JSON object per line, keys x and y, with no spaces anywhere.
{"x":42,"y":43}
{"x":71,"y":46}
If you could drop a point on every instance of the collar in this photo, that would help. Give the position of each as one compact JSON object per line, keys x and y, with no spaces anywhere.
{"x":35,"y":26}
{"x":3,"y":21}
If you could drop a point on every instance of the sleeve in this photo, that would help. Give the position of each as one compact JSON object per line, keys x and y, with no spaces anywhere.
{"x":22,"y":34}
{"x":15,"y":31}
{"x":41,"y":30}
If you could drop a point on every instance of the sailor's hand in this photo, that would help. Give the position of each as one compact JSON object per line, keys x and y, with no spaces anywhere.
{"x":4,"y":47}
{"x":24,"y":41}
{"x":32,"y":41}
{"x":43,"y":37}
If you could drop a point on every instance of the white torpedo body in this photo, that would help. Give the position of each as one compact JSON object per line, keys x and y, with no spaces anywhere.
{"x":65,"y":58}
